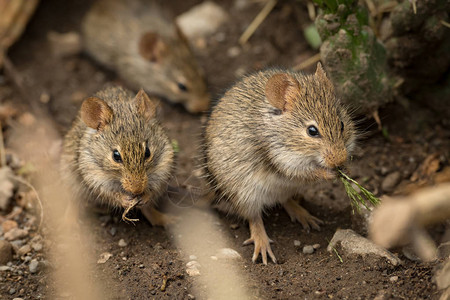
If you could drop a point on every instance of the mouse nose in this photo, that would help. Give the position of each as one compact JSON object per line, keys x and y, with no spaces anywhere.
{"x":134,"y":186}
{"x":336,"y":158}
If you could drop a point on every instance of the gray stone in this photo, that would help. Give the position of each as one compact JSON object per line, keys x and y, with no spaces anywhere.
{"x":34,"y":266}
{"x":393,"y":278}
{"x":193,"y":268}
{"x":113,"y":231}
{"x":37,"y":246}
{"x":297,"y":243}
{"x":6,"y":251}
{"x":5,"y":268}
{"x":316,"y":246}
{"x":308,"y":249}
{"x":15,"y":234}
{"x":122,"y":243}
{"x":202,"y":20}
{"x":391,"y":181}
{"x":353,"y":243}
{"x":24,"y":250}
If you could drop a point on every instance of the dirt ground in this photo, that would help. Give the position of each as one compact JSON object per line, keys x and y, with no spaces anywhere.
{"x":138,"y":270}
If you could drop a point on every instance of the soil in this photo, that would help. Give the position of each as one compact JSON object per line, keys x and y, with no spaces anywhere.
{"x":138,"y":270}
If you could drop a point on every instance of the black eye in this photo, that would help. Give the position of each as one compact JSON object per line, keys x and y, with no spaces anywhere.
{"x":182,"y":87}
{"x":342,"y":127}
{"x":147,"y":153}
{"x":312,"y":131}
{"x":116,"y":156}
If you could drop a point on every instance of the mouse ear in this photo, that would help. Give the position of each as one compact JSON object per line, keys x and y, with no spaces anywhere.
{"x":96,"y":113}
{"x":320,"y":72}
{"x":146,"y":106}
{"x":282,"y":90}
{"x":151,"y":47}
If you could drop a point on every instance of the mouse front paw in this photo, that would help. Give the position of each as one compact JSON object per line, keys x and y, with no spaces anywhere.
{"x":301,"y":215}
{"x":261,"y":241}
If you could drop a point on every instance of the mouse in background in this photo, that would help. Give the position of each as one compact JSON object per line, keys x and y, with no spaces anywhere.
{"x":144,"y":46}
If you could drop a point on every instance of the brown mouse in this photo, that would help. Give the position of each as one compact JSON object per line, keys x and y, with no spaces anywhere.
{"x":139,"y":41}
{"x":117,"y":153}
{"x":270,"y":134}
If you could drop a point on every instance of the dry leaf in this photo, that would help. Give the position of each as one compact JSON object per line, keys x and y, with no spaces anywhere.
{"x":429,"y":166}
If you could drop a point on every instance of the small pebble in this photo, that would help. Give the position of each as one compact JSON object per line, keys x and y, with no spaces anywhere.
{"x":24,"y":250}
{"x":113,"y":231}
{"x":12,"y":291}
{"x":234,"y":226}
{"x":122,"y":243}
{"x":8,"y":225}
{"x":228,"y":253}
{"x":5,"y":268}
{"x":391,"y":181}
{"x":104,"y":257}
{"x":34,"y":266}
{"x":192,"y":257}
{"x":18,"y":299}
{"x":213,"y":257}
{"x":308,"y":249}
{"x":316,"y":246}
{"x":192,"y":268}
{"x":297,"y":243}
{"x":141,"y":266}
{"x":15,"y":234}
{"x":233,"y":51}
{"x":36,"y":246}
{"x":192,"y":297}
{"x":393,"y":278}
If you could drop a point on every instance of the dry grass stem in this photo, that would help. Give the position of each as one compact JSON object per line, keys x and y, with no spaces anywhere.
{"x":127,"y":210}
{"x":309,"y":62}
{"x":257,"y":21}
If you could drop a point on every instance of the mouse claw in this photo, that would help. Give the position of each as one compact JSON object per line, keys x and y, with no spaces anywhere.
{"x":301,"y":215}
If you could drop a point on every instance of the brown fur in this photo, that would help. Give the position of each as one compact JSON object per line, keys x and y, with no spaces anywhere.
{"x":87,"y":161}
{"x":257,"y":150}
{"x":143,"y":45}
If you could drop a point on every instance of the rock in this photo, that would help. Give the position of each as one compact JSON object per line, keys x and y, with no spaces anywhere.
{"x":8,"y":225}
{"x":15,"y":234}
{"x":122,"y":243}
{"x":316,"y":246}
{"x":7,"y":186}
{"x":202,"y":20}
{"x":12,"y":291}
{"x":193,"y":268}
{"x":37,"y":246}
{"x":5,"y":268}
{"x":5,"y":252}
{"x":353,"y":243}
{"x":24,"y":250}
{"x":34,"y":266}
{"x":104,"y":257}
{"x":190,"y":296}
{"x":297,"y":243}
{"x":381,"y":295}
{"x":234,"y":51}
{"x":18,"y":299}
{"x":391,"y":181}
{"x":308,"y":249}
{"x":228,"y":253}
{"x":443,"y":251}
{"x":393,"y":278}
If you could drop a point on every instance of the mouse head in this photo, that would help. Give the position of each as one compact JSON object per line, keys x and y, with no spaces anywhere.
{"x":126,"y":152}
{"x":175,"y":73}
{"x":315,"y":129}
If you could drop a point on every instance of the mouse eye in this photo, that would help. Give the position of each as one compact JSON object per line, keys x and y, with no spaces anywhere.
{"x":116,"y":156}
{"x":342,"y":127}
{"x":182,"y":87}
{"x":147,"y":153}
{"x":312,"y":131}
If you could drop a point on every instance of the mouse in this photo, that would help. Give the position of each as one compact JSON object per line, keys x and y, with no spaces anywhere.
{"x":271,"y":133}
